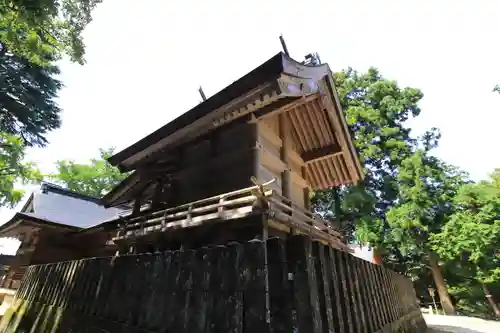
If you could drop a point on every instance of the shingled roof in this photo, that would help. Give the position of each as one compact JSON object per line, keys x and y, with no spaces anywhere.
{"x":56,"y":206}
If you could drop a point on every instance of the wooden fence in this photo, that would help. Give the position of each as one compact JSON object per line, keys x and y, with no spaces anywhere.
{"x":274,"y":286}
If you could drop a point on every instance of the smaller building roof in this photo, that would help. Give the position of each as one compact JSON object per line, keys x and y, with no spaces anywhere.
{"x":54,"y":205}
{"x":57,"y":204}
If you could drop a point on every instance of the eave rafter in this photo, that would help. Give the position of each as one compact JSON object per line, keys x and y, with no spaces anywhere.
{"x":321,"y":153}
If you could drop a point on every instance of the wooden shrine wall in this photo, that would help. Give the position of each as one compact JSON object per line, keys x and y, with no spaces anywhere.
{"x":225,"y":160}
{"x":273,"y":162}
{"x":274,"y":286}
{"x":217,"y":163}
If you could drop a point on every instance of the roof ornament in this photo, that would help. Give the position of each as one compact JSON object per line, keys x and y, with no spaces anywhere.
{"x":283,"y":45}
{"x":312,"y":59}
{"x":202,"y":94}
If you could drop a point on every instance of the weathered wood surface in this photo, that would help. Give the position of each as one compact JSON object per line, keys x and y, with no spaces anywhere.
{"x":292,"y":285}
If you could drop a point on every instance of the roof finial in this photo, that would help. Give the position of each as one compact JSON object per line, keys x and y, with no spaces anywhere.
{"x":200,"y":90}
{"x":283,"y":45}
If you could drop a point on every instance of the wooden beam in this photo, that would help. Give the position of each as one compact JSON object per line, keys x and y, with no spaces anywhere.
{"x":288,"y":104}
{"x":157,"y":193}
{"x":321,"y":153}
{"x":137,"y":205}
{"x":284,"y":129}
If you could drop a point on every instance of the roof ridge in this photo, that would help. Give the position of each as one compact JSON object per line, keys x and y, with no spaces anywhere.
{"x":58,"y":189}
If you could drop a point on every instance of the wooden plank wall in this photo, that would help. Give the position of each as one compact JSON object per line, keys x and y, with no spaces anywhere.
{"x":272,"y":164}
{"x":274,"y":286}
{"x":222,"y":162}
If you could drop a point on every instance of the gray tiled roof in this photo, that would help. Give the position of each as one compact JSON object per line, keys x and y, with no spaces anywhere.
{"x":56,"y":204}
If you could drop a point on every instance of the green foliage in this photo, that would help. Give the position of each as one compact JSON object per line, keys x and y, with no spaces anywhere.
{"x":27,"y":98}
{"x":410,"y":203}
{"x":376,"y":110}
{"x":471,"y":238}
{"x":14,"y":170}
{"x":96,"y":178}
{"x":426,"y":188}
{"x":41,"y":31}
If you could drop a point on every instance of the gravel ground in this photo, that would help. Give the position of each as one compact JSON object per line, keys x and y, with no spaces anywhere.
{"x":456,"y":324}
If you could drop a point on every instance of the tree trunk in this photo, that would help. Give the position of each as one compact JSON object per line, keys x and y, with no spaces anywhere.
{"x":444,"y":297}
{"x":490,"y":299}
{"x":377,"y":258}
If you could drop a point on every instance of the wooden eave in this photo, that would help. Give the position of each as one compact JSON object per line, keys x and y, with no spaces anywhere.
{"x":21,"y":219}
{"x":259,"y":88}
{"x":306,"y":94}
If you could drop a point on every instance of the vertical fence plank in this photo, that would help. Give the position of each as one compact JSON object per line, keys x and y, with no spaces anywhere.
{"x":167,"y":281}
{"x":103,"y":286}
{"x":379,"y":310}
{"x":256,"y":316}
{"x":280,"y":296}
{"x":149,"y":281}
{"x":170,"y":298}
{"x":217,"y":289}
{"x":201,"y":267}
{"x":233,"y":286}
{"x":369,"y":296}
{"x":323,"y":287}
{"x":25,"y":282}
{"x":382,"y":296}
{"x":227,"y":310}
{"x":352,"y":309}
{"x":392,"y":303}
{"x":363,"y":295}
{"x":63,"y":277}
{"x":305,"y":284}
{"x":185,"y":287}
{"x":68,"y":295}
{"x":359,"y":295}
{"x":92,"y":279}
{"x":336,"y":292}
{"x":151,"y":312}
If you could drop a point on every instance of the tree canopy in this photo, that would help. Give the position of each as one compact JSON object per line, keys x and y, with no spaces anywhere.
{"x":376,"y":110}
{"x":28,"y":95}
{"x":409,"y":201}
{"x":472,"y":235}
{"x":33,"y":36}
{"x":13,"y":169}
{"x":42,"y":31}
{"x":95,"y":178}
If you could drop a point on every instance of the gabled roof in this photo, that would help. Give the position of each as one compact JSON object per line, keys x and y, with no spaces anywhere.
{"x":56,"y":206}
{"x":306,"y":92}
{"x":126,"y":159}
{"x":260,"y":87}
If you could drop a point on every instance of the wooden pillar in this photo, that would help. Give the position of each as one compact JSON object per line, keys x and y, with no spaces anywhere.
{"x":137,"y":205}
{"x":157,"y":196}
{"x":286,"y":142}
{"x":307,"y":192}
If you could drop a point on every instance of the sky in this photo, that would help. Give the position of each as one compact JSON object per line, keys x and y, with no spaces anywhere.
{"x":146,"y":60}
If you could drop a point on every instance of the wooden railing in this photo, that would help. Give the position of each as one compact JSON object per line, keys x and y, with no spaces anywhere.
{"x":232,"y":205}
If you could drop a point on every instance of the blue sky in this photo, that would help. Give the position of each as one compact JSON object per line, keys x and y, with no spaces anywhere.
{"x":146,"y":59}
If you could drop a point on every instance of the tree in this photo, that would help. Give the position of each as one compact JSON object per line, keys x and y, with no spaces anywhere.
{"x":13,"y":169}
{"x":471,"y":238}
{"x":95,"y":178}
{"x":376,"y":110}
{"x":41,"y":31}
{"x":426,"y":187}
{"x":27,"y":98}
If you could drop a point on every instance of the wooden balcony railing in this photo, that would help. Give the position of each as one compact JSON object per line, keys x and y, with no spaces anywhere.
{"x":232,"y":205}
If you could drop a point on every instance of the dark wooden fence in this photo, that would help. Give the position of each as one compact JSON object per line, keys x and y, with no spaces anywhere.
{"x":274,"y":286}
